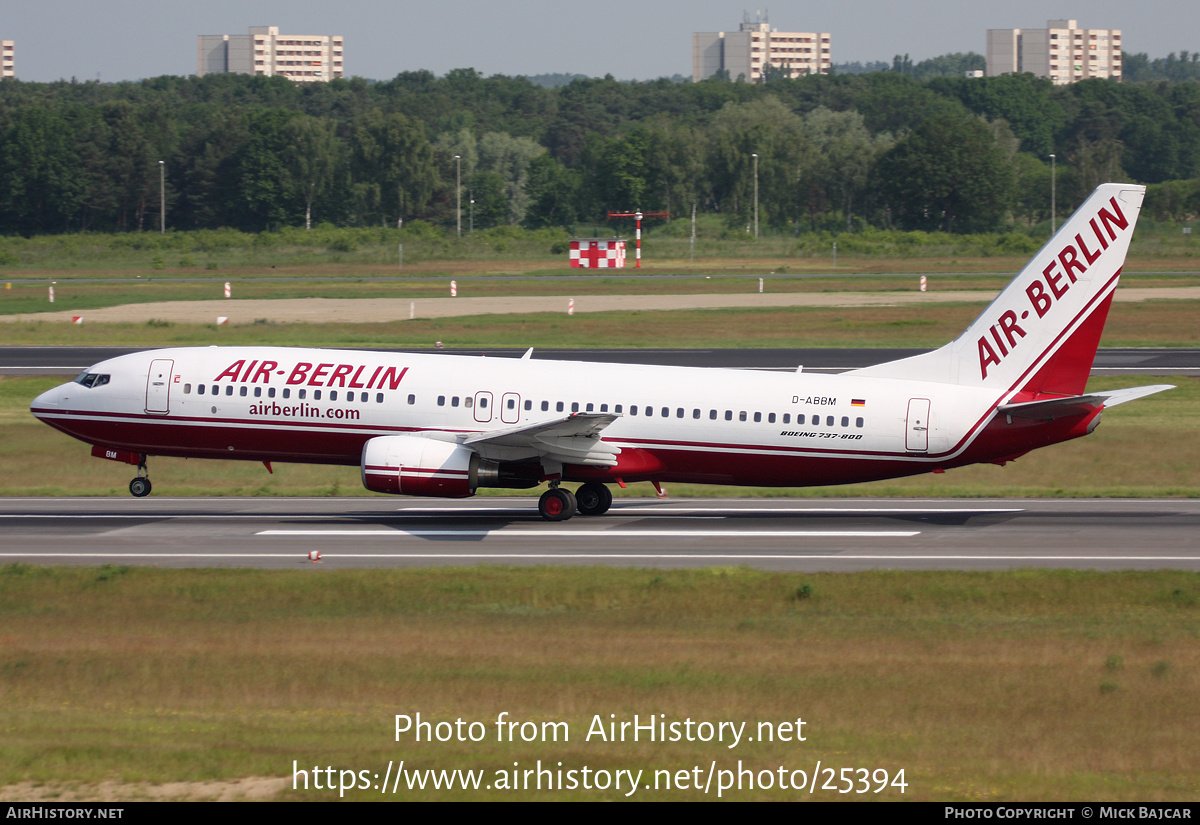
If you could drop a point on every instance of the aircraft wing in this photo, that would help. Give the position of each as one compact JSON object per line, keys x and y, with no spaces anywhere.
{"x":574,"y":439}
{"x":1050,"y":408}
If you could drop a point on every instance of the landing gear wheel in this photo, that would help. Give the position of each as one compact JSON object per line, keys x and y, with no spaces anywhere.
{"x":557,"y":504}
{"x":594,"y":499}
{"x":139,"y":487}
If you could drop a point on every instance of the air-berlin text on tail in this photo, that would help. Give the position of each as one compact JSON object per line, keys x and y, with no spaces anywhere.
{"x":315,"y":375}
{"x":1063,"y":271}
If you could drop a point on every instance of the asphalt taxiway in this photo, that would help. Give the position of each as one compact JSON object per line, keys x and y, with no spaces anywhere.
{"x":70,"y":361}
{"x":773,"y":534}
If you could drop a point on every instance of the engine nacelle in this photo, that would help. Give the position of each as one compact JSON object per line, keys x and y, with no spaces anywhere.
{"x":414,"y":466}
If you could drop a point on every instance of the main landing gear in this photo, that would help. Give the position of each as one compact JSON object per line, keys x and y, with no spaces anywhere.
{"x":559,"y":504}
{"x":140,"y":486}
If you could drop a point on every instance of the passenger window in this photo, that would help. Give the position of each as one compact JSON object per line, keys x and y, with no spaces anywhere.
{"x":771,"y":418}
{"x":829,"y":421}
{"x":483,"y":401}
{"x":679,"y":412}
{"x":858,"y":422}
{"x":270,"y":392}
{"x":574,"y":406}
{"x":633,"y":410}
{"x":333,"y":395}
{"x":302,"y":394}
{"x":603,"y":408}
{"x":187,"y":389}
{"x":316,"y":395}
{"x":545,"y":406}
{"x":454,"y":401}
{"x":845,"y":421}
{"x":350,"y":396}
{"x":666,"y":412}
{"x":589,"y":406}
{"x":528,"y":406}
{"x":468,"y":402}
{"x":757,"y":417}
{"x":729,"y":415}
{"x":258,"y":392}
{"x":441,"y":400}
{"x":287,"y":393}
{"x":742,"y":415}
{"x":617,"y":409}
{"x":695,"y":413}
{"x":512,"y":405}
{"x":712,"y":414}
{"x":229,"y":390}
{"x":242,"y":392}
{"x":649,"y":411}
{"x":199,"y":389}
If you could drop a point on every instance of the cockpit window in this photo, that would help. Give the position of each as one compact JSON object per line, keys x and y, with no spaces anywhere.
{"x":92,"y":379}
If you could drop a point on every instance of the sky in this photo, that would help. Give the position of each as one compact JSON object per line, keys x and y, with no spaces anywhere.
{"x":630,"y":39}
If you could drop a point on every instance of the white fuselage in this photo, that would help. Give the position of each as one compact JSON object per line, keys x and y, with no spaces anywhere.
{"x":674,"y":423}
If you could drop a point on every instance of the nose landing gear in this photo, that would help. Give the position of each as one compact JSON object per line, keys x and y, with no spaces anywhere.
{"x":140,"y":486}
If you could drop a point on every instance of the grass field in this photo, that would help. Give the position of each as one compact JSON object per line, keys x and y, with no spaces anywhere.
{"x":1146,"y":324}
{"x":981,"y":686}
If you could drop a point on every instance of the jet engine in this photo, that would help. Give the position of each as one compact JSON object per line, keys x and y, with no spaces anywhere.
{"x":414,"y":466}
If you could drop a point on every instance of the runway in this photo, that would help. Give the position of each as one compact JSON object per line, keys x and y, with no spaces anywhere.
{"x":770,"y":534}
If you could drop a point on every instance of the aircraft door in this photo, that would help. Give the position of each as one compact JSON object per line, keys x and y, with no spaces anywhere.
{"x":158,"y":386}
{"x":510,"y":408}
{"x":916,"y":439}
{"x":483,"y":406}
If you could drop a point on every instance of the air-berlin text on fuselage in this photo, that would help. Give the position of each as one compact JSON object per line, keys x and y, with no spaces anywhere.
{"x":350,"y":376}
{"x":1059,"y":275}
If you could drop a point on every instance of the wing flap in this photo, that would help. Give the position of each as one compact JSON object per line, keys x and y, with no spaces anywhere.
{"x":573,"y":439}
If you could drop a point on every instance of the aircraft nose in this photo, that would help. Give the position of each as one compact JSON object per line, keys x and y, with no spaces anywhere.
{"x":50,"y":399}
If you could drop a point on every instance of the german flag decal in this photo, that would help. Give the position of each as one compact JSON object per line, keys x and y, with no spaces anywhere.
{"x":858,"y":402}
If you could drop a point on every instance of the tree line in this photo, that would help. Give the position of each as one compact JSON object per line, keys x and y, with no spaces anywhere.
{"x":833,"y":152}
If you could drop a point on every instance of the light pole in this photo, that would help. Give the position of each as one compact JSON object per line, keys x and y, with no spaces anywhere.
{"x":458,"y":190}
{"x":1053,"y":205}
{"x":162,"y":197}
{"x":755,"y":156}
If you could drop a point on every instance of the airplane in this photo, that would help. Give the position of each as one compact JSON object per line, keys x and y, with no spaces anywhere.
{"x":447,"y":425}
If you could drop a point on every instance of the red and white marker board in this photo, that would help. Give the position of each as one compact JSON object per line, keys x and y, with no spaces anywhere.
{"x":597,"y":253}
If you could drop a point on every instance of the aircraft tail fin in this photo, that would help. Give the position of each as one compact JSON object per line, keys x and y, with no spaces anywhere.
{"x":1038,"y":338}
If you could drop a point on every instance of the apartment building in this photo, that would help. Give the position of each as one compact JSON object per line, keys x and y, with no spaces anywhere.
{"x":749,"y":52}
{"x":1062,"y":52}
{"x":6,"y":59}
{"x":264,"y":51}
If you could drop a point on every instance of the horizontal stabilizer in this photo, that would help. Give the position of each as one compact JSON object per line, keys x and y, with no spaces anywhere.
{"x":1049,"y":409}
